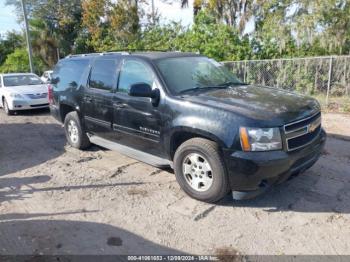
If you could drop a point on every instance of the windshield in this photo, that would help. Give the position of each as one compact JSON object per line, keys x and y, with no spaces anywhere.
{"x":21,"y":80}
{"x":183,"y":74}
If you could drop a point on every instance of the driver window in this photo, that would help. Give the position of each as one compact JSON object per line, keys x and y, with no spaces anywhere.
{"x":133,"y":72}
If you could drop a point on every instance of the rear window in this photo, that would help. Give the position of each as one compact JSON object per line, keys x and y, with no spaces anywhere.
{"x":68,"y":73}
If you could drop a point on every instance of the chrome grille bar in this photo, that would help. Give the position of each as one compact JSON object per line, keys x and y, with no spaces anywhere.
{"x":300,"y":133}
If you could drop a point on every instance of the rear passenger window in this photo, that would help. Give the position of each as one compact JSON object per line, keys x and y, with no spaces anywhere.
{"x":104,"y":74}
{"x":68,"y":73}
{"x":134,"y":72}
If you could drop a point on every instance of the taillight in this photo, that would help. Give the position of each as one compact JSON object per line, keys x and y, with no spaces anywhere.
{"x":50,"y":93}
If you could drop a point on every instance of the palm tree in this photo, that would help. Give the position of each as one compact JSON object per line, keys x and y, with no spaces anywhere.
{"x":184,"y":3}
{"x":43,"y":43}
{"x":234,"y":13}
{"x":197,"y":5}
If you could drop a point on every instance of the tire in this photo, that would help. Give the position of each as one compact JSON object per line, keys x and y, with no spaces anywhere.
{"x":6,"y":108}
{"x":194,"y":158}
{"x":75,"y":134}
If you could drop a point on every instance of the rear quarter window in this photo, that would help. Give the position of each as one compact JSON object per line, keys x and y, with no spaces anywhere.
{"x":68,"y":73}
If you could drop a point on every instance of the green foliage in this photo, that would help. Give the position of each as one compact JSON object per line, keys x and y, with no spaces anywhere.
{"x":8,"y":44}
{"x":18,"y":61}
{"x":43,"y":43}
{"x":160,"y":37}
{"x":205,"y":36}
{"x":215,"y":40}
{"x":287,"y":28}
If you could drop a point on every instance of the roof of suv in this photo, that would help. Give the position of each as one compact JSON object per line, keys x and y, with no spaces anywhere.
{"x":149,"y":55}
{"x":161,"y":55}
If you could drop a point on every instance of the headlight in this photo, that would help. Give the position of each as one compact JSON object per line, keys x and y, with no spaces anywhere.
{"x":260,"y":139}
{"x":15,"y":95}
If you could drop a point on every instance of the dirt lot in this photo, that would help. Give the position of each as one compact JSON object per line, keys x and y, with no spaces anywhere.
{"x":57,"y":200}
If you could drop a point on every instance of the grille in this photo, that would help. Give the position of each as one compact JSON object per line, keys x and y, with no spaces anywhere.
{"x":301,"y":133}
{"x":37,"y":96}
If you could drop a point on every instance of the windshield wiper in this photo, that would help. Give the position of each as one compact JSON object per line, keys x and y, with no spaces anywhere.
{"x":201,"y":88}
{"x":230,"y":83}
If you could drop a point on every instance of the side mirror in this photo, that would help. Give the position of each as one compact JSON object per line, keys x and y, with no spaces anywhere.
{"x":54,"y":80}
{"x":141,"y":90}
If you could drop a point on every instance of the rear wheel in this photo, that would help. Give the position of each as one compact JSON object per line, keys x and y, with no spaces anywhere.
{"x":75,"y":134}
{"x":200,"y":170}
{"x":6,"y":107}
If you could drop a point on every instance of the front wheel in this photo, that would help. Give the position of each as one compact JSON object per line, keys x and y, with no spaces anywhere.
{"x":200,"y":170}
{"x":6,"y":108}
{"x":75,"y":134}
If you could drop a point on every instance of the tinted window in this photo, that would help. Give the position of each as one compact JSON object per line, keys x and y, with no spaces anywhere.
{"x":68,"y":73}
{"x":134,"y":72}
{"x":104,"y":74}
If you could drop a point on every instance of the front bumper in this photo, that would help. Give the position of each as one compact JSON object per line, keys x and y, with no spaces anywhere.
{"x":21,"y":104}
{"x":252,"y":173}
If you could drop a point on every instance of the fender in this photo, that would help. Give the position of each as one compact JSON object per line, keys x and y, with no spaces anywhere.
{"x":199,"y":127}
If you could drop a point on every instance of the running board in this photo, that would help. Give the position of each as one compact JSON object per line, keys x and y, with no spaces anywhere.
{"x":131,"y":152}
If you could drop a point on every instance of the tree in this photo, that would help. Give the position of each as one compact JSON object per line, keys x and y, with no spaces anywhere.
{"x":18,"y":61}
{"x":44,"y":45}
{"x":125,"y":23}
{"x":62,"y":19}
{"x":215,"y":40}
{"x":94,"y":19}
{"x":302,"y":28}
{"x":232,"y":12}
{"x":9,"y":43}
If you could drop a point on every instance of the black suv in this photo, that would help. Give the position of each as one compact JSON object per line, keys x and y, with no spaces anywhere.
{"x":188,"y":112}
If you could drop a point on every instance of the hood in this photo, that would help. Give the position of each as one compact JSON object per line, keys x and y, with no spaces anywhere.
{"x":259,"y":103}
{"x":29,"y":89}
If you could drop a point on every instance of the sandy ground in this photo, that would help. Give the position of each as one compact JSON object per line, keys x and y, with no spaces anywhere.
{"x":55,"y":199}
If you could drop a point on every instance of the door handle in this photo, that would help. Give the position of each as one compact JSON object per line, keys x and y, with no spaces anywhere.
{"x":119,"y":105}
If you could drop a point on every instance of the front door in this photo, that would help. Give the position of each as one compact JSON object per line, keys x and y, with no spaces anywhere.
{"x":136,"y":121}
{"x":98,"y":104}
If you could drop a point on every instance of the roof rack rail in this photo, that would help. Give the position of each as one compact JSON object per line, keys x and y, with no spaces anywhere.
{"x":143,"y":50}
{"x":99,"y":54}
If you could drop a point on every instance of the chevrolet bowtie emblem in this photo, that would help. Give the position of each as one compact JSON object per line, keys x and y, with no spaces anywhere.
{"x":313,"y":126}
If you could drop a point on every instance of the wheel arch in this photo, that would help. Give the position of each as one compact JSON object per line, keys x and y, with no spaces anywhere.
{"x":181,"y":134}
{"x":67,"y":108}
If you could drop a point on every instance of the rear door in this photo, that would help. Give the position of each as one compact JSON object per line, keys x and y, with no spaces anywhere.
{"x":98,"y":95}
{"x":68,"y":78}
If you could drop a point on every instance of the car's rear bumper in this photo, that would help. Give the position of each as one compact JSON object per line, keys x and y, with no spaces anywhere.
{"x":252,"y":173}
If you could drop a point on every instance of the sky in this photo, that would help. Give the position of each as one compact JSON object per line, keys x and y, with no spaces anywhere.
{"x":168,"y":13}
{"x":174,"y":12}
{"x":7,"y":18}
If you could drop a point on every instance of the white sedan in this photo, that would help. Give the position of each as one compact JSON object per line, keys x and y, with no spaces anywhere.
{"x":22,"y":91}
{"x":46,"y":77}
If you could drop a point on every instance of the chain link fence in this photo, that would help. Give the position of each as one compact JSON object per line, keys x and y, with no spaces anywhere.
{"x":326,"y":78}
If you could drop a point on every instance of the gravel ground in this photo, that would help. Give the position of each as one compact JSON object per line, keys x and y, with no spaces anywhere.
{"x":55,"y":199}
